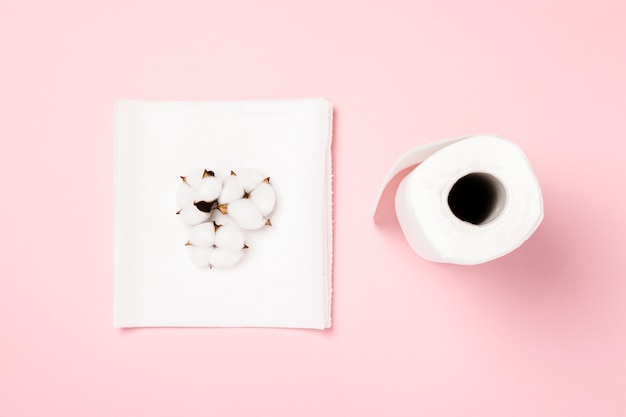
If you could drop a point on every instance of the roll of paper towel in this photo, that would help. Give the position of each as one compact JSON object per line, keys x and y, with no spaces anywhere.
{"x":468,"y":201}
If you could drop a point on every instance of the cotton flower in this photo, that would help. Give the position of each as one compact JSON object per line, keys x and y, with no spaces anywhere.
{"x":220,"y":210}
{"x":207,"y":191}
{"x":250,"y":179}
{"x":230,"y":236}
{"x":191,"y":216}
{"x":252,"y":209}
{"x":187,"y":197}
{"x":212,"y":245}
{"x":220,"y":219}
{"x":202,"y":235}
{"x":223,"y":258}
{"x":263,"y":197}
{"x":199,"y":256}
{"x":244,"y":213}
{"x":232,"y":189}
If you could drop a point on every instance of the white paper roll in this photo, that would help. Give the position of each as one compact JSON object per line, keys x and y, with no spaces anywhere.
{"x":470,"y":200}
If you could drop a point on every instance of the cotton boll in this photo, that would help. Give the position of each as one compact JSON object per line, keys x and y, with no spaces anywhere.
{"x":245,"y":214}
{"x":193,"y":178}
{"x":219,"y":219}
{"x":200,"y":256}
{"x":263,"y":197}
{"x":232,"y":189}
{"x":184,"y":194}
{"x":202,"y":235}
{"x":230,"y":237}
{"x":219,"y":210}
{"x":209,"y":188}
{"x":190,"y":215}
{"x":222,"y":258}
{"x":250,"y":179}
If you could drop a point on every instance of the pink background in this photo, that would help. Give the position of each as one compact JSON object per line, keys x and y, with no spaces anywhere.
{"x":540,"y":332}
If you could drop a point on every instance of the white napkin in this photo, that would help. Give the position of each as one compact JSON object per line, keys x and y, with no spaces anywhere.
{"x":284,"y":280}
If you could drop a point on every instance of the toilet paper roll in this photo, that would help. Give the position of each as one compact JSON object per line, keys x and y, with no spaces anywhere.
{"x":470,"y":200}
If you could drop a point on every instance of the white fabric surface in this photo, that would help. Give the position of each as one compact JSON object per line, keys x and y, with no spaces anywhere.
{"x":285,"y":278}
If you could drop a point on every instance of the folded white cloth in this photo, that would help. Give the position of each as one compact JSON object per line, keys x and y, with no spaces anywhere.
{"x":284,"y":280}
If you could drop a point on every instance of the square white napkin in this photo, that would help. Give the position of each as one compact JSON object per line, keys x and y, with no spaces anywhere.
{"x":284,"y":280}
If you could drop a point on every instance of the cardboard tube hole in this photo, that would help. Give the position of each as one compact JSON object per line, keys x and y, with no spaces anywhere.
{"x":477,"y":198}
